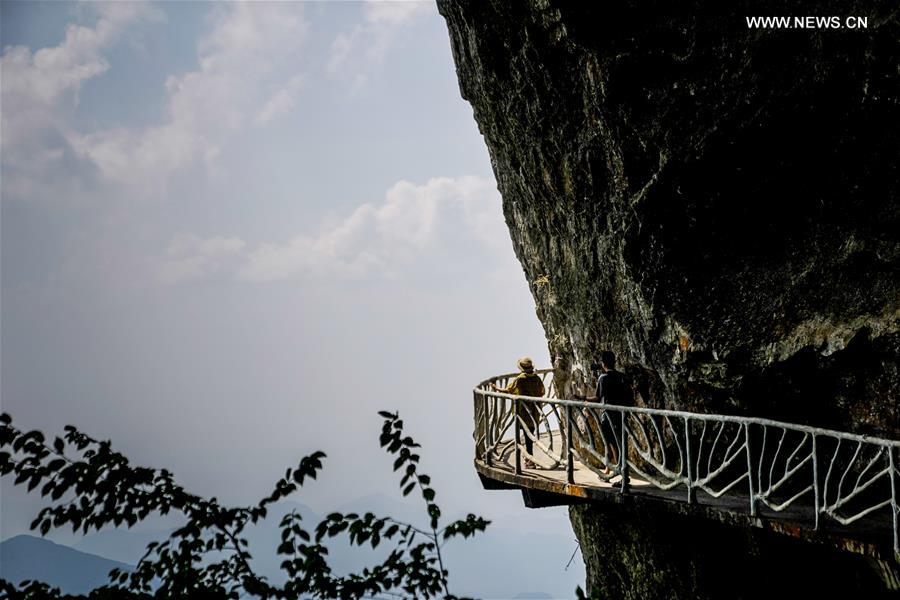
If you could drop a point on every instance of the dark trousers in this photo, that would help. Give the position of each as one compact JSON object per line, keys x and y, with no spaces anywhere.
{"x":529,"y":415}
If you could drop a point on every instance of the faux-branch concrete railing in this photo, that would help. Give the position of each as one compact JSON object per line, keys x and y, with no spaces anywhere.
{"x":852,"y":478}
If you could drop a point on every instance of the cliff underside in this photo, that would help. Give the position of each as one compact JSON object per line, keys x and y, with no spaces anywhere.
{"x":716,"y":204}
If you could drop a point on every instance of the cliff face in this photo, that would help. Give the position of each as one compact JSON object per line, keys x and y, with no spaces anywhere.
{"x":634,"y":553}
{"x":716,"y":204}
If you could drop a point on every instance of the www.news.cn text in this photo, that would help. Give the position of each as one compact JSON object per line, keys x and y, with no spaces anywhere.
{"x":807,"y":22}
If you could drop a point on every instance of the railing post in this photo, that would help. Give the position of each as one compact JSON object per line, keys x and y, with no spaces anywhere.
{"x":487,"y":431}
{"x":479,"y":434}
{"x":691,"y":493}
{"x":893,"y":499}
{"x":815,"y":463}
{"x":518,"y":427}
{"x":749,"y":469}
{"x":570,"y":460}
{"x":623,"y":456}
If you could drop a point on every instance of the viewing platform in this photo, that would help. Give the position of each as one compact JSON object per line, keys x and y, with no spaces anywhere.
{"x":814,"y":484}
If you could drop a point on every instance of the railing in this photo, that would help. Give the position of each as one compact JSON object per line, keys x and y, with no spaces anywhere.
{"x":782,"y":467}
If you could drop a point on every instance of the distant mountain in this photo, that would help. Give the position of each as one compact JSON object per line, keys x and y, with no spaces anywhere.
{"x":26,"y":557}
{"x":507,"y":561}
{"x":382,"y":505}
{"x":126,"y":545}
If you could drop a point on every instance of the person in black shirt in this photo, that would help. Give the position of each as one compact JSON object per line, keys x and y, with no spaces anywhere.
{"x":612,"y":388}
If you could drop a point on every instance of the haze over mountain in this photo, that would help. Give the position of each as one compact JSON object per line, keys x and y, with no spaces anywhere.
{"x":27,"y":557}
{"x":477,"y":566}
{"x":232,"y":232}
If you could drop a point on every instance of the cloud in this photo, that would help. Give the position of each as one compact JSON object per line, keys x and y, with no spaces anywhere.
{"x":191,"y":257}
{"x":40,"y":89}
{"x":42,"y":78}
{"x":248,"y":46}
{"x":443,"y":219}
{"x":393,"y":14}
{"x":246,"y":74}
{"x":356,"y":52}
{"x":282,"y":101}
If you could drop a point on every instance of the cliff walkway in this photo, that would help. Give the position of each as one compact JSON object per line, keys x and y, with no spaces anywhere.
{"x":816,"y":484}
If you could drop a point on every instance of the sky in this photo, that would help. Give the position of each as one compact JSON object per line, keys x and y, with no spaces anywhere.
{"x":231,"y":233}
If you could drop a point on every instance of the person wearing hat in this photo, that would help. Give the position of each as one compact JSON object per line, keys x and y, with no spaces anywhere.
{"x":526,"y":383}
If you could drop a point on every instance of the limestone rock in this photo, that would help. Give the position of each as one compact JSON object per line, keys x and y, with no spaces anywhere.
{"x":717,"y":204}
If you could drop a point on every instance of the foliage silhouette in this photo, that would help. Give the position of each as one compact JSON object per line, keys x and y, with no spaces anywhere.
{"x":93,"y":487}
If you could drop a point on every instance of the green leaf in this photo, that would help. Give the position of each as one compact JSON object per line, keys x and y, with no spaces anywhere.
{"x":106,"y":490}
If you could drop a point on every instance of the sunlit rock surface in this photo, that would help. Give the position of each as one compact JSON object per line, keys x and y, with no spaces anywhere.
{"x":718,"y":205}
